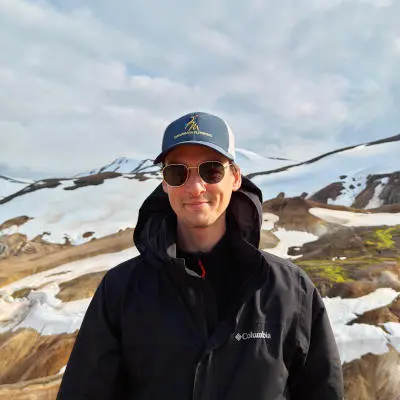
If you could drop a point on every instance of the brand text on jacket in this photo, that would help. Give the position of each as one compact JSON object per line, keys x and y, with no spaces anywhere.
{"x":252,"y":335}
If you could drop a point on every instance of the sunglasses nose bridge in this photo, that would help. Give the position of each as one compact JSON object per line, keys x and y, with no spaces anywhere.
{"x":193,"y":176}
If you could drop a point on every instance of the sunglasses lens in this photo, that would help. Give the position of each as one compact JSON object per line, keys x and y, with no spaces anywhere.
{"x":212,"y":171}
{"x":175,"y":175}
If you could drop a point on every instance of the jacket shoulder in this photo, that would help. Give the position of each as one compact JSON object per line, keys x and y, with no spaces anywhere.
{"x":123,"y":271}
{"x":115,"y":286}
{"x":289,"y":274}
{"x":117,"y":279}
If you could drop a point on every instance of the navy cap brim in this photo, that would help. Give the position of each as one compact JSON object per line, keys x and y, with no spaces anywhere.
{"x":218,"y":149}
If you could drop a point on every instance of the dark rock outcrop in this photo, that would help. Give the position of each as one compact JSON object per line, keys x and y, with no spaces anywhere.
{"x":389,"y":195}
{"x":330,"y":192}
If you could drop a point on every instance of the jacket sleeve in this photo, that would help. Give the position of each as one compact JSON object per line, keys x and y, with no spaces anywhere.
{"x":94,"y":367}
{"x":316,"y":371}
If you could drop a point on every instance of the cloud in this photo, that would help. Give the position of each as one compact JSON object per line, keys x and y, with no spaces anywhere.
{"x":80,"y":86}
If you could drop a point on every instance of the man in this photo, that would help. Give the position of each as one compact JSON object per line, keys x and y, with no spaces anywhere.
{"x":202,"y":313}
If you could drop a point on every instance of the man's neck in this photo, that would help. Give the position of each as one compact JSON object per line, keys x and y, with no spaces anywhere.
{"x":193,"y":240}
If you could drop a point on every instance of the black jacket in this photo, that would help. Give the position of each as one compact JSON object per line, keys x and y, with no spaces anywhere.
{"x":144,"y":335}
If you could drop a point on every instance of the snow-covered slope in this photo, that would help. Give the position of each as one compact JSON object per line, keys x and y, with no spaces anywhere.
{"x":346,"y":218}
{"x":351,"y":167}
{"x":103,"y":209}
{"x":124,"y":165}
{"x":11,"y":185}
{"x":251,"y":162}
{"x":41,"y":310}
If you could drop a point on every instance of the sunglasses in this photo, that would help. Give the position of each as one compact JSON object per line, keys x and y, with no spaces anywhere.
{"x":209,"y":171}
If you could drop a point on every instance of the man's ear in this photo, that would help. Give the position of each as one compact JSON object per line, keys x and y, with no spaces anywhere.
{"x":238,"y":178}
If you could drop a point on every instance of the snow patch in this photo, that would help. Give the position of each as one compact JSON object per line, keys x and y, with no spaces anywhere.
{"x":290,"y":239}
{"x":269,"y":221}
{"x":352,"y":186}
{"x":347,"y":218}
{"x":375,"y":201}
{"x":354,"y":341}
{"x":358,"y":339}
{"x":394,"y":330}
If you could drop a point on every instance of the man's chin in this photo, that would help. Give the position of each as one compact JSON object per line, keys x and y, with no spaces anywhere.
{"x":198,"y":222}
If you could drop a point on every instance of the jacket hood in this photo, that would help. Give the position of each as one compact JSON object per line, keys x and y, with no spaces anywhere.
{"x":156,"y":226}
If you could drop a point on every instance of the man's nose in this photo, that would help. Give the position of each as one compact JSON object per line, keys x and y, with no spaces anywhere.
{"x":195,"y":185}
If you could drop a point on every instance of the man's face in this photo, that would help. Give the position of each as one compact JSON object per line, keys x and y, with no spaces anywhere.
{"x":198,"y":204}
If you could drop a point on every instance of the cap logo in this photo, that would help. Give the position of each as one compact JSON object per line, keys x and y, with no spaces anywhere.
{"x":192,"y":125}
{"x":192,"y":128}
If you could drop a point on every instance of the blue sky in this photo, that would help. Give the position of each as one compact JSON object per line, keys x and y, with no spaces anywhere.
{"x":82,"y":83}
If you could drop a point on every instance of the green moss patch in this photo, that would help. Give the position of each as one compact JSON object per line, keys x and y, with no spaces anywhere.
{"x":329,"y":271}
{"x":382,"y":239}
{"x":326,"y":274}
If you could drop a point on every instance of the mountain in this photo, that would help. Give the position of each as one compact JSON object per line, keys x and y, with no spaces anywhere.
{"x":124,"y":165}
{"x":248,"y":161}
{"x":341,"y":176}
{"x":251,"y":162}
{"x":107,"y":199}
{"x":67,"y":210}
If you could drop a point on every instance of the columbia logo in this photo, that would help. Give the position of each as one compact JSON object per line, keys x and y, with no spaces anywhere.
{"x":252,"y":335}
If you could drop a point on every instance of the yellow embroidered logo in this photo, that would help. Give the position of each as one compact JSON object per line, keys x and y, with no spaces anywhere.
{"x":192,"y":125}
{"x":192,"y":128}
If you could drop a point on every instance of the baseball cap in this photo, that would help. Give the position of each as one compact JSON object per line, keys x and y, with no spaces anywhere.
{"x":199,"y":128}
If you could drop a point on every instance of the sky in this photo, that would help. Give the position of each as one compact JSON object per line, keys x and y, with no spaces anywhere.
{"x":82,"y":83}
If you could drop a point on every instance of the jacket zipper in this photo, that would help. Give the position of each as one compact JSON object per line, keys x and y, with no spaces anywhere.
{"x":198,"y":384}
